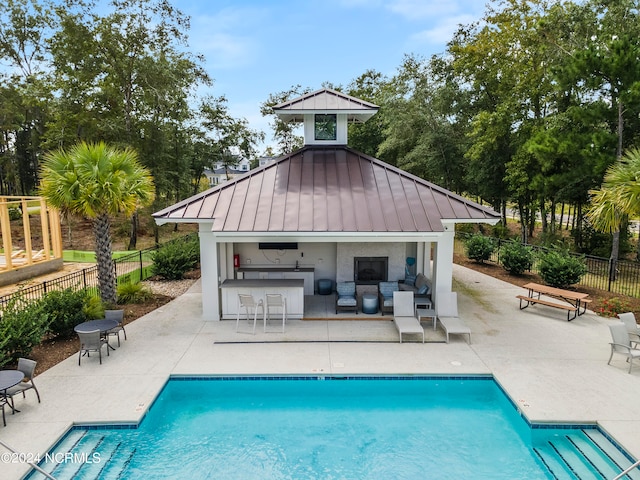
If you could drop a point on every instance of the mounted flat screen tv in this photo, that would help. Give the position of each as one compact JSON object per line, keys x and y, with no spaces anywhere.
{"x":278,"y":246}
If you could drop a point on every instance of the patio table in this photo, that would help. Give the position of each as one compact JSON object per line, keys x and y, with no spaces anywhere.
{"x":102,"y":324}
{"x":8,"y":379}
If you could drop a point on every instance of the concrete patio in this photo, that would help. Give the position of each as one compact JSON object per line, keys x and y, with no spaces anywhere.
{"x":552,"y":369}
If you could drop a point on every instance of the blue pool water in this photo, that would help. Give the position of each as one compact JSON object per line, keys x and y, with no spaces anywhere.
{"x":401,"y":428}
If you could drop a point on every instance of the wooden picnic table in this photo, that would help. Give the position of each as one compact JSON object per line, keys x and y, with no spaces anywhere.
{"x":577,"y":301}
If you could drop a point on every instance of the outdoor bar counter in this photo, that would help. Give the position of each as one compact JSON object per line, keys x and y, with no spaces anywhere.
{"x":292,"y":290}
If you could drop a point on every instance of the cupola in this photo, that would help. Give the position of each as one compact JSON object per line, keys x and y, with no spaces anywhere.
{"x":325,"y":114}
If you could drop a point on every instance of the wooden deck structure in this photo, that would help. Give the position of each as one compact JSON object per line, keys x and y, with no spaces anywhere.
{"x":30,"y":248}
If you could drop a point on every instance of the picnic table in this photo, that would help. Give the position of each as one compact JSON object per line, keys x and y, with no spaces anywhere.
{"x":576,"y":302}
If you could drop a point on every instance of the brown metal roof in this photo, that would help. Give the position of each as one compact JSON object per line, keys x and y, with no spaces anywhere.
{"x":326,"y":100}
{"x":326,"y":189}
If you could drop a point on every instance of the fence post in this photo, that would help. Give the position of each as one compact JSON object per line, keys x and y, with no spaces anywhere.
{"x":84,"y":277}
{"x":140,"y":257}
{"x":612,"y":267}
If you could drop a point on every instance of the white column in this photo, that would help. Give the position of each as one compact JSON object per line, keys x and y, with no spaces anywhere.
{"x":443,"y":265}
{"x":209,"y":274}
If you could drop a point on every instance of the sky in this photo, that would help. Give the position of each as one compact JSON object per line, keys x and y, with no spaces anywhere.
{"x":254,"y":48}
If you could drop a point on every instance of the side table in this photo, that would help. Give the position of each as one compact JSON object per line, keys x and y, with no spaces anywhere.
{"x":427,"y":313}
{"x":369,"y":304}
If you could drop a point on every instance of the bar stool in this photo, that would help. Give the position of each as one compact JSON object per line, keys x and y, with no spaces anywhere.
{"x":275,"y":301}
{"x":250,"y":307}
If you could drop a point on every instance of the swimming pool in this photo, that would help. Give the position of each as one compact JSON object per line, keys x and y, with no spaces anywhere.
{"x":334,"y":427}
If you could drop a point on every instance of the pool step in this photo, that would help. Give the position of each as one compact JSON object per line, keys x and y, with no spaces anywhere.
{"x":78,"y":458}
{"x":584,"y":454}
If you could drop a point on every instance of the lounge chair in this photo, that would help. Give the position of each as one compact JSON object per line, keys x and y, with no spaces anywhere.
{"x":117,"y":315}
{"x":91,"y":342}
{"x":403,"y":315}
{"x":346,"y":296}
{"x":27,"y":367}
{"x":250,"y":308}
{"x":622,"y":344}
{"x":279,"y":303}
{"x":629,"y":320}
{"x":447,"y":312}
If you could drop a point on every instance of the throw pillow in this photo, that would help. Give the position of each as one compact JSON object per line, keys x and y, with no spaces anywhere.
{"x":410,"y":280}
{"x":423,"y":290}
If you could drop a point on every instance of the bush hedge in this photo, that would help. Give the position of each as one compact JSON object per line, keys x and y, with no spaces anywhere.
{"x":560,"y":269}
{"x":480,"y":248}
{"x":516,"y":258}
{"x":22,"y":327}
{"x":174,"y":259}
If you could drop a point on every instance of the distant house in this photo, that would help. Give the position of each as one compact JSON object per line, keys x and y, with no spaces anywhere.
{"x":220,"y":174}
{"x":325,"y":208}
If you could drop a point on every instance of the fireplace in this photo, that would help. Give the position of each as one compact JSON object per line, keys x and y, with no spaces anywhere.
{"x":370,"y":270}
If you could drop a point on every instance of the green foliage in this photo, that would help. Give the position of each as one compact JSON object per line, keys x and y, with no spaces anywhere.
{"x":22,"y":327}
{"x":93,"y":307}
{"x":611,"y":307}
{"x":480,"y":248}
{"x":500,"y":231}
{"x":560,"y":269}
{"x":174,"y":259}
{"x":65,"y":310}
{"x":15,"y":213}
{"x":516,"y":258}
{"x":133,"y":293}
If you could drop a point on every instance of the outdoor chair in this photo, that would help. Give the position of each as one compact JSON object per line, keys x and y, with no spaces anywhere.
{"x":629,"y":320}
{"x":91,"y":342}
{"x":403,"y":315}
{"x":3,"y":402}
{"x":346,"y":296}
{"x":250,"y":308}
{"x":27,"y":367}
{"x":117,"y":315}
{"x":447,"y":313}
{"x":385,"y":294}
{"x":277,"y":302}
{"x":621,"y":344}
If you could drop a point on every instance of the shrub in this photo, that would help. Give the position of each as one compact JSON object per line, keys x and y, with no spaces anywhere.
{"x":611,"y":307}
{"x":176,"y":258}
{"x":22,"y":326}
{"x":559,"y":269}
{"x":65,"y":309}
{"x":15,"y":213}
{"x":480,"y":248}
{"x":93,"y":307}
{"x":516,"y":258}
{"x":133,"y":293}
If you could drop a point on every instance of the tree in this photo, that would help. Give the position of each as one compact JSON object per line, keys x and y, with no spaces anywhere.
{"x":97,"y":181}
{"x":283,"y":132}
{"x":619,"y":195}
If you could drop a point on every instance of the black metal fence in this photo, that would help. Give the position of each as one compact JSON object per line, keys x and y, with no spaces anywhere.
{"x":130,"y":268}
{"x":624,"y":281}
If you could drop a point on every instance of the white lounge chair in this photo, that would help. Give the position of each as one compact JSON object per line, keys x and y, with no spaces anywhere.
{"x":629,"y":320}
{"x":447,"y":312}
{"x":403,"y":315}
{"x":622,"y":344}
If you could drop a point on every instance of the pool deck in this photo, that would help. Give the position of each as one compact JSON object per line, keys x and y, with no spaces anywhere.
{"x":552,"y":369}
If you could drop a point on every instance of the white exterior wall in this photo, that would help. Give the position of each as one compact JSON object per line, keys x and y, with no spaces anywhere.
{"x":209,"y":273}
{"x":309,"y":130}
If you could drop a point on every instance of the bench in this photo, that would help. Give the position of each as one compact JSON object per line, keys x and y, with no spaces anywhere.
{"x":454,"y":326}
{"x":530,"y":300}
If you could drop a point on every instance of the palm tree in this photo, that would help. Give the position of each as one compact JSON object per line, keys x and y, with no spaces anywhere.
{"x":97,"y":181}
{"x":618,"y":198}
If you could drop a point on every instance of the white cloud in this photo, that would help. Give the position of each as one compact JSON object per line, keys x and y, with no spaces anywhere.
{"x":442,"y":32}
{"x":224,"y":37}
